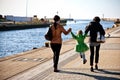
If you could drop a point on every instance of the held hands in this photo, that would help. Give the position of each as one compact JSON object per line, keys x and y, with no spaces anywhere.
{"x":69,"y":29}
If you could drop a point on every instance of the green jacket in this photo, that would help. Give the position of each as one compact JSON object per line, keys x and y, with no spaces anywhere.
{"x":80,"y":46}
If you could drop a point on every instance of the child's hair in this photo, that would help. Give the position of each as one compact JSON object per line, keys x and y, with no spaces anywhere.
{"x":79,"y":32}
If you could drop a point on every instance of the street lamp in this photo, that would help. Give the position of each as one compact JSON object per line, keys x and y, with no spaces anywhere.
{"x":26,"y":7}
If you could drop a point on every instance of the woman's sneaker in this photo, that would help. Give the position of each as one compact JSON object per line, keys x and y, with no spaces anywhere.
{"x":56,"y":70}
{"x":96,"y":67}
{"x":91,"y":69}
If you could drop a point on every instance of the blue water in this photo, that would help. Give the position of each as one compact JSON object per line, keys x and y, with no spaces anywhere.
{"x":14,"y":42}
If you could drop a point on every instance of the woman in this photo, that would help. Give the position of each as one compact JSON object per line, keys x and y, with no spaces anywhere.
{"x":56,"y":41}
{"x":94,"y":27}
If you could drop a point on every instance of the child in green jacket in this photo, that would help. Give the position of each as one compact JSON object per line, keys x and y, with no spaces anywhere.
{"x":81,"y":47}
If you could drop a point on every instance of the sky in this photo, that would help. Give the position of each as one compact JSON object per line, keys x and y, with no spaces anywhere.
{"x":77,"y":9}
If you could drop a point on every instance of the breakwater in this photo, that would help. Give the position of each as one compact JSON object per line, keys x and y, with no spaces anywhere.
{"x":6,"y":26}
{"x":115,"y":20}
{"x":22,"y":26}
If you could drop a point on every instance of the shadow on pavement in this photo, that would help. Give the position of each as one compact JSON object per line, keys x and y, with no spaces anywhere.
{"x":113,"y":72}
{"x":96,"y":75}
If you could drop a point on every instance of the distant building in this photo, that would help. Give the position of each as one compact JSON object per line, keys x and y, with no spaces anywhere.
{"x":18,"y":18}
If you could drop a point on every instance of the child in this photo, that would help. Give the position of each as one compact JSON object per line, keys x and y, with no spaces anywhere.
{"x":81,"y":47}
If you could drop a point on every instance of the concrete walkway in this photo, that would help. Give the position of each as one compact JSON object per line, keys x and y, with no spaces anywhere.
{"x":37,"y":64}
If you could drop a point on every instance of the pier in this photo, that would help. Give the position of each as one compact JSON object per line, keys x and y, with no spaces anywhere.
{"x":37,"y":64}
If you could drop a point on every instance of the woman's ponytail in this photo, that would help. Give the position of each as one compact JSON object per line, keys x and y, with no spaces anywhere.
{"x":56,"y":18}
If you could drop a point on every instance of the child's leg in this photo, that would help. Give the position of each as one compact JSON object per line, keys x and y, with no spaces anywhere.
{"x":84,"y":58}
{"x":81,"y":55}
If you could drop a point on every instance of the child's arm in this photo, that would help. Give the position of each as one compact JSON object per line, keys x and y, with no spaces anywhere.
{"x":85,"y":35}
{"x":74,"y":36}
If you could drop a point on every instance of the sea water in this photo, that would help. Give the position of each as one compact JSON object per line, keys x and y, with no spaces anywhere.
{"x":17,"y":41}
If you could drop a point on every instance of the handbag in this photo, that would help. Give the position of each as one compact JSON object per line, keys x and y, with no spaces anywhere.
{"x":48,"y":35}
{"x":100,"y":38}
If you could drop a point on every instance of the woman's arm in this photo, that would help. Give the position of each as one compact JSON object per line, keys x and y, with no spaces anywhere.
{"x":102,"y":31}
{"x":87,"y":29}
{"x":64,"y":31}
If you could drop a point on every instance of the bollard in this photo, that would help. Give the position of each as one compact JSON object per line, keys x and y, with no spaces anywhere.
{"x":47,"y":44}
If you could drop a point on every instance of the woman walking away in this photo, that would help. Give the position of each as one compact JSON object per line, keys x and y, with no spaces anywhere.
{"x":56,"y":41}
{"x":81,"y":47}
{"x":94,"y":27}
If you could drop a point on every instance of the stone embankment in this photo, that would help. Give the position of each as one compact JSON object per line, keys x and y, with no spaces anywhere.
{"x":115,"y":20}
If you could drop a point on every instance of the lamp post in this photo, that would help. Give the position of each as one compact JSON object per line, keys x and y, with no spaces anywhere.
{"x":26,"y":7}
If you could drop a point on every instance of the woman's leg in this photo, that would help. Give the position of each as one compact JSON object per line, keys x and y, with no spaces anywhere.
{"x":91,"y":55}
{"x":56,"y":50}
{"x":97,"y":56}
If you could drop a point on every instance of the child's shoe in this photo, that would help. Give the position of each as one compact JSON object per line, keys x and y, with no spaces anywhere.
{"x":84,"y":61}
{"x":80,"y":55}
